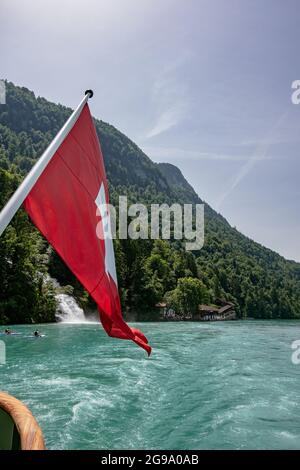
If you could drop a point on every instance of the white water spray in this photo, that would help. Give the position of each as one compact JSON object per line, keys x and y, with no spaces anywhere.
{"x":68,"y":311}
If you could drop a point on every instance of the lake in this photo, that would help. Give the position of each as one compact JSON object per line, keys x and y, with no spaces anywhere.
{"x":219,"y":385}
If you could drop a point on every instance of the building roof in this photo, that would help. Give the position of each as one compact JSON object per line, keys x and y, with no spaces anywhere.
{"x":226,"y":308}
{"x":208,"y":309}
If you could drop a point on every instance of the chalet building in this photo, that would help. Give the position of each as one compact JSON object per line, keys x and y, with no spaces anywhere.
{"x":210,"y":313}
{"x":227,"y":311}
{"x":205,"y":312}
{"x":165,"y":311}
{"x":162,"y":306}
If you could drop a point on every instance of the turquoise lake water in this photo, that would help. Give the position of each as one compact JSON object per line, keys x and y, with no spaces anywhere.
{"x":222,"y":385}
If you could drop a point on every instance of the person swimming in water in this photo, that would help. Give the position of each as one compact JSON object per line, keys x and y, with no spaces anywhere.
{"x":37,"y":334}
{"x":8,"y":331}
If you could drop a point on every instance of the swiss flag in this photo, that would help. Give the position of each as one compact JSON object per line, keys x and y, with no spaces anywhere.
{"x":66,"y":205}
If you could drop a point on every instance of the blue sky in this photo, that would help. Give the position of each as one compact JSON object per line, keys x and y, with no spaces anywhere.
{"x":202,"y":84}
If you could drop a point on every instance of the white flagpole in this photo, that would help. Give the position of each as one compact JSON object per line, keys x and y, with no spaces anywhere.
{"x":29,"y":181}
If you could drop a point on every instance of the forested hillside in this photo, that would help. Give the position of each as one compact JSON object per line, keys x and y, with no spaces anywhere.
{"x":230,"y":266}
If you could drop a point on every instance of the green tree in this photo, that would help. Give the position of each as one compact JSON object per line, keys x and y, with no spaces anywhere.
{"x":187,"y":296}
{"x":25,"y":295}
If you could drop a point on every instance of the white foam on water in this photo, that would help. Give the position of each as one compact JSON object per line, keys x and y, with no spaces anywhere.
{"x":88,"y":406}
{"x":287,"y":435}
{"x":59,"y":382}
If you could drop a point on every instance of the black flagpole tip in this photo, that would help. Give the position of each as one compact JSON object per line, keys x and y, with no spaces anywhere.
{"x":90,"y":93}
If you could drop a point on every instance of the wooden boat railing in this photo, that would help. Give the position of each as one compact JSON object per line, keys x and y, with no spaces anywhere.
{"x":18,"y":427}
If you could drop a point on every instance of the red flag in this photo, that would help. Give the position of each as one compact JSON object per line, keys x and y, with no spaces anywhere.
{"x":63,"y":204}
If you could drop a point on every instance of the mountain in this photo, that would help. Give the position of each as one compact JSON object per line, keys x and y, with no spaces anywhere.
{"x":230,"y":266}
{"x":176,"y":180}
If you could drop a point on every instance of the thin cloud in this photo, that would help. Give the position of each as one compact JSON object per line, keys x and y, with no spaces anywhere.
{"x":259,"y":154}
{"x":170,"y":99}
{"x":167,"y":119}
{"x":175,"y":153}
{"x":277,"y":140}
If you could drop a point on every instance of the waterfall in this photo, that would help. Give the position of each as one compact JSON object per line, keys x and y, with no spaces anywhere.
{"x":68,"y":311}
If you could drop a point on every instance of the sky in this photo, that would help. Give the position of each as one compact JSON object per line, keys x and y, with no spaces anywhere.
{"x":203,"y":84}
